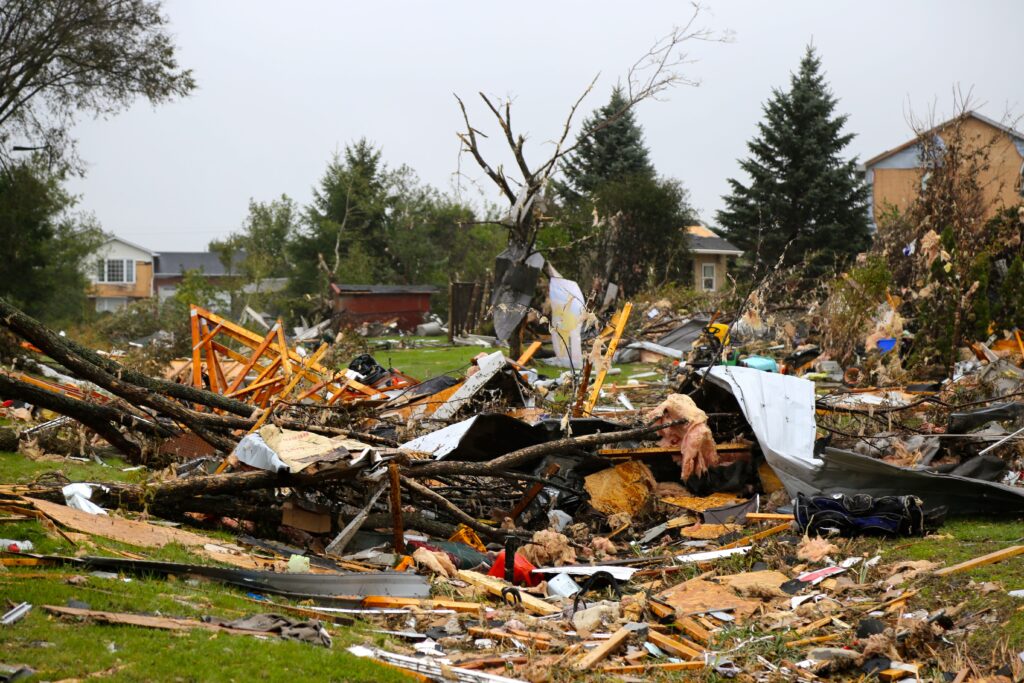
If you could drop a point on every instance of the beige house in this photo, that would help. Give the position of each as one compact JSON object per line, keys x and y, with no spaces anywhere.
{"x":895,"y":176}
{"x":711,"y":254}
{"x":123,"y":272}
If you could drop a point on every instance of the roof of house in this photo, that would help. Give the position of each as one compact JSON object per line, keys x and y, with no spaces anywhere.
{"x":177,"y":262}
{"x":115,"y":238}
{"x":910,"y":143}
{"x":702,"y":240}
{"x":383,"y":289}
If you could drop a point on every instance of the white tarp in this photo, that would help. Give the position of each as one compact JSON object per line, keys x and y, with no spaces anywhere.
{"x":567,"y":313}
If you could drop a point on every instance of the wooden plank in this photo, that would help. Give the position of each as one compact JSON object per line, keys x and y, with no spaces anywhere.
{"x":197,"y":359}
{"x":601,"y":652}
{"x":758,"y":536}
{"x":495,"y":586}
{"x":620,"y":326}
{"x":147,"y":621}
{"x":251,"y":362}
{"x":679,"y":648}
{"x":643,"y":668}
{"x":812,"y":641}
{"x":691,"y":628}
{"x":769,"y":517}
{"x":537,"y":640}
{"x":533,"y":492}
{"x":813,"y":626}
{"x":991,"y":558}
{"x":528,"y":354}
{"x":388,"y":602}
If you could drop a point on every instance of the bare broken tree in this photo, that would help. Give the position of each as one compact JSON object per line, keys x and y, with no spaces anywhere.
{"x":517,"y":268}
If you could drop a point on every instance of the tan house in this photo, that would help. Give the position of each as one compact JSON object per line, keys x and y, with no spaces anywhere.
{"x":711,"y":254}
{"x":895,"y":177}
{"x":125,"y":272}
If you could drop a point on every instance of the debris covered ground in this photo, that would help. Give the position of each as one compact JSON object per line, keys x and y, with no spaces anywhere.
{"x":746,"y":508}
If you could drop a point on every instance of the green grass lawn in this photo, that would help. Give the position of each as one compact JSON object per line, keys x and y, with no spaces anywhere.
{"x":426,"y":362}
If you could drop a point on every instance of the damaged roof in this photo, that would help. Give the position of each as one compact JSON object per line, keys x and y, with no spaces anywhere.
{"x":383,"y":289}
{"x":703,"y":240}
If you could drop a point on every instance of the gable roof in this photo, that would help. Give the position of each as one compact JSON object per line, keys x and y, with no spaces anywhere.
{"x":703,"y":240}
{"x":913,"y":141}
{"x":115,"y":238}
{"x":171,"y":263}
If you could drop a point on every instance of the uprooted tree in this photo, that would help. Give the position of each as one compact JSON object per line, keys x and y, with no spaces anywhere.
{"x":525,"y":190}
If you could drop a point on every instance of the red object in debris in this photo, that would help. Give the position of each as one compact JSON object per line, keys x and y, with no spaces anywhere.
{"x":522,"y":570}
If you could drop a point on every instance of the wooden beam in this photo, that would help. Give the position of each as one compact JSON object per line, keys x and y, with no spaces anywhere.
{"x":602,"y":651}
{"x":758,"y":536}
{"x":496,"y":586}
{"x":619,"y":327}
{"x":991,"y":558}
{"x":533,"y":492}
{"x":679,"y":648}
{"x":643,"y":668}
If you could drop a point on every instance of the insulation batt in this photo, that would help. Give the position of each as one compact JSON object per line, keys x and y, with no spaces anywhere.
{"x":693,"y":438}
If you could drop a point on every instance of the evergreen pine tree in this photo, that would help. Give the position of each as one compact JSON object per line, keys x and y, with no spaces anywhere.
{"x":611,"y":153}
{"x":802,"y":192}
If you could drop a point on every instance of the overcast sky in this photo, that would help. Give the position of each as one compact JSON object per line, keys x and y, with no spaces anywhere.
{"x":284,"y":85}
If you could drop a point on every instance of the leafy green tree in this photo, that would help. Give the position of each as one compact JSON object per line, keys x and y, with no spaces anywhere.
{"x":804,"y":199}
{"x":47,"y":248}
{"x":340,"y":237}
{"x":58,"y":58}
{"x":980,"y":314}
{"x":609,"y":148}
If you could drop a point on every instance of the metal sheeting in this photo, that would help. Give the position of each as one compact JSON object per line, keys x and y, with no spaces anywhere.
{"x":780,"y":410}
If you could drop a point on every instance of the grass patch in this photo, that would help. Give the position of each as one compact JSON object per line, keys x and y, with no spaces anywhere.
{"x":18,"y":468}
{"x":58,"y":648}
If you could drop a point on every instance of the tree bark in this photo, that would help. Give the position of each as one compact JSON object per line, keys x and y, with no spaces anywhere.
{"x":62,"y":352}
{"x":419,"y":469}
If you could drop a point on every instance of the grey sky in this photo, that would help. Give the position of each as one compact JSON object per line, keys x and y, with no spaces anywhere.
{"x":283,"y":85}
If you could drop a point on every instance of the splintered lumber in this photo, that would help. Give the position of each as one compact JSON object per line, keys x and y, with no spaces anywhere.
{"x":617,"y":327}
{"x":991,"y":558}
{"x":643,"y":668}
{"x":602,"y":651}
{"x":758,"y":536}
{"x":539,"y":641}
{"x":496,"y":586}
{"x":673,"y":646}
{"x":533,"y":492}
{"x":769,"y":517}
{"x":814,"y":625}
{"x":814,"y":640}
{"x":388,"y":602}
{"x":422,"y":468}
{"x":690,"y":627}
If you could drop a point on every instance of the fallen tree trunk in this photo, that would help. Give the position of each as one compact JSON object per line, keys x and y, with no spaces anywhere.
{"x":421,"y":468}
{"x":452,"y":509}
{"x":62,"y":352}
{"x":42,"y":337}
{"x":234,"y":422}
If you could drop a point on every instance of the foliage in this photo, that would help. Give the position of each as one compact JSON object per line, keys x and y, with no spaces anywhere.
{"x":47,"y":248}
{"x":629,"y":231}
{"x":1010,"y":312}
{"x":942,"y":248}
{"x":58,"y":58}
{"x":850,"y":309}
{"x":609,"y":147}
{"x":258,"y":251}
{"x":804,"y":202}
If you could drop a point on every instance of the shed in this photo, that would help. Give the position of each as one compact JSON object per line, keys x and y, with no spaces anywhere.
{"x":355,"y":304}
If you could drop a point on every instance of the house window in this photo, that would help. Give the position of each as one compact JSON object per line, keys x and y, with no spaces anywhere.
{"x":707,"y":277}
{"x":116,"y":271}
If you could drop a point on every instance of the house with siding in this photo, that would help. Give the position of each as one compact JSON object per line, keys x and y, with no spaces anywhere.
{"x":711,"y":254}
{"x":124,"y":272}
{"x":895,"y":176}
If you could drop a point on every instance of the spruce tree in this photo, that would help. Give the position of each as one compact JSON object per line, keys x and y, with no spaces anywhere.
{"x":802,"y":192}
{"x":606,"y":152}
